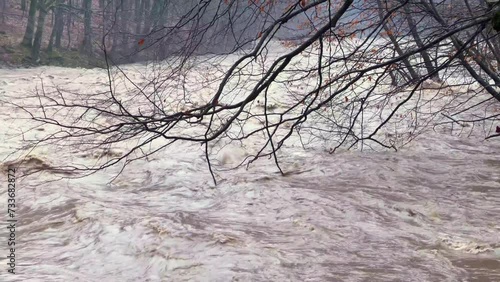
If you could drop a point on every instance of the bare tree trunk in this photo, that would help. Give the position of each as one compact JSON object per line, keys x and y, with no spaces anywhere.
{"x":413,"y":74}
{"x":124,"y":23}
{"x":30,"y":27}
{"x":87,"y":41}
{"x":37,"y":43}
{"x":459,"y":45}
{"x":3,"y":8}
{"x":117,"y":24}
{"x":394,"y":80}
{"x":51,"y":40}
{"x":148,"y":13}
{"x":425,"y":56}
{"x":68,"y":24}
{"x":139,"y":10}
{"x":57,"y":27}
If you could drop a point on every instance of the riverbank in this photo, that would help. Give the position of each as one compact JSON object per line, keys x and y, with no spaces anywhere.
{"x":14,"y":55}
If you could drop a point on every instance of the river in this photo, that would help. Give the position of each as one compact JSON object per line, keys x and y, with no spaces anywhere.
{"x":429,"y":212}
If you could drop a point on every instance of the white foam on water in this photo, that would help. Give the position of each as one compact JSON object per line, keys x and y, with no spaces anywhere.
{"x":411,"y":215}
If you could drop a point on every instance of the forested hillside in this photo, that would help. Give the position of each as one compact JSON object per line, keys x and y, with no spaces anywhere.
{"x":50,"y":31}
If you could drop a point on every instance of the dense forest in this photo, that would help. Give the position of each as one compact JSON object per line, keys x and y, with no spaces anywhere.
{"x":120,"y":27}
{"x":131,"y":30}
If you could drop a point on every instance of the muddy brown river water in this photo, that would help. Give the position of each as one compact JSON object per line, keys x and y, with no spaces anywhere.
{"x":430,"y":212}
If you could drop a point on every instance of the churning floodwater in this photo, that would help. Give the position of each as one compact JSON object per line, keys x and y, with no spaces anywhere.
{"x":429,"y":212}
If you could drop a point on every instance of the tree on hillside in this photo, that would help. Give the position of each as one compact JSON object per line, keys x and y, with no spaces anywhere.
{"x":30,"y":27}
{"x":44,"y":6}
{"x":57,"y":27}
{"x":351,"y":74}
{"x":3,"y":9}
{"x":87,"y":39}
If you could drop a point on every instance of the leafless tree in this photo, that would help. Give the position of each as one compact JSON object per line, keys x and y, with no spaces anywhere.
{"x":351,"y":74}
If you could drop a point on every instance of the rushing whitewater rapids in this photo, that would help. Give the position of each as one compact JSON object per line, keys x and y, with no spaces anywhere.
{"x":430,"y":212}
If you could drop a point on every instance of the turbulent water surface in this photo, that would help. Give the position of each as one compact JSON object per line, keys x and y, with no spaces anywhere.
{"x":430,"y":212}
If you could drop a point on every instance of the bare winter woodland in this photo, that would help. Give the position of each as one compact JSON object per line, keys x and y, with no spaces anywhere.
{"x":355,"y":73}
{"x":250,"y":140}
